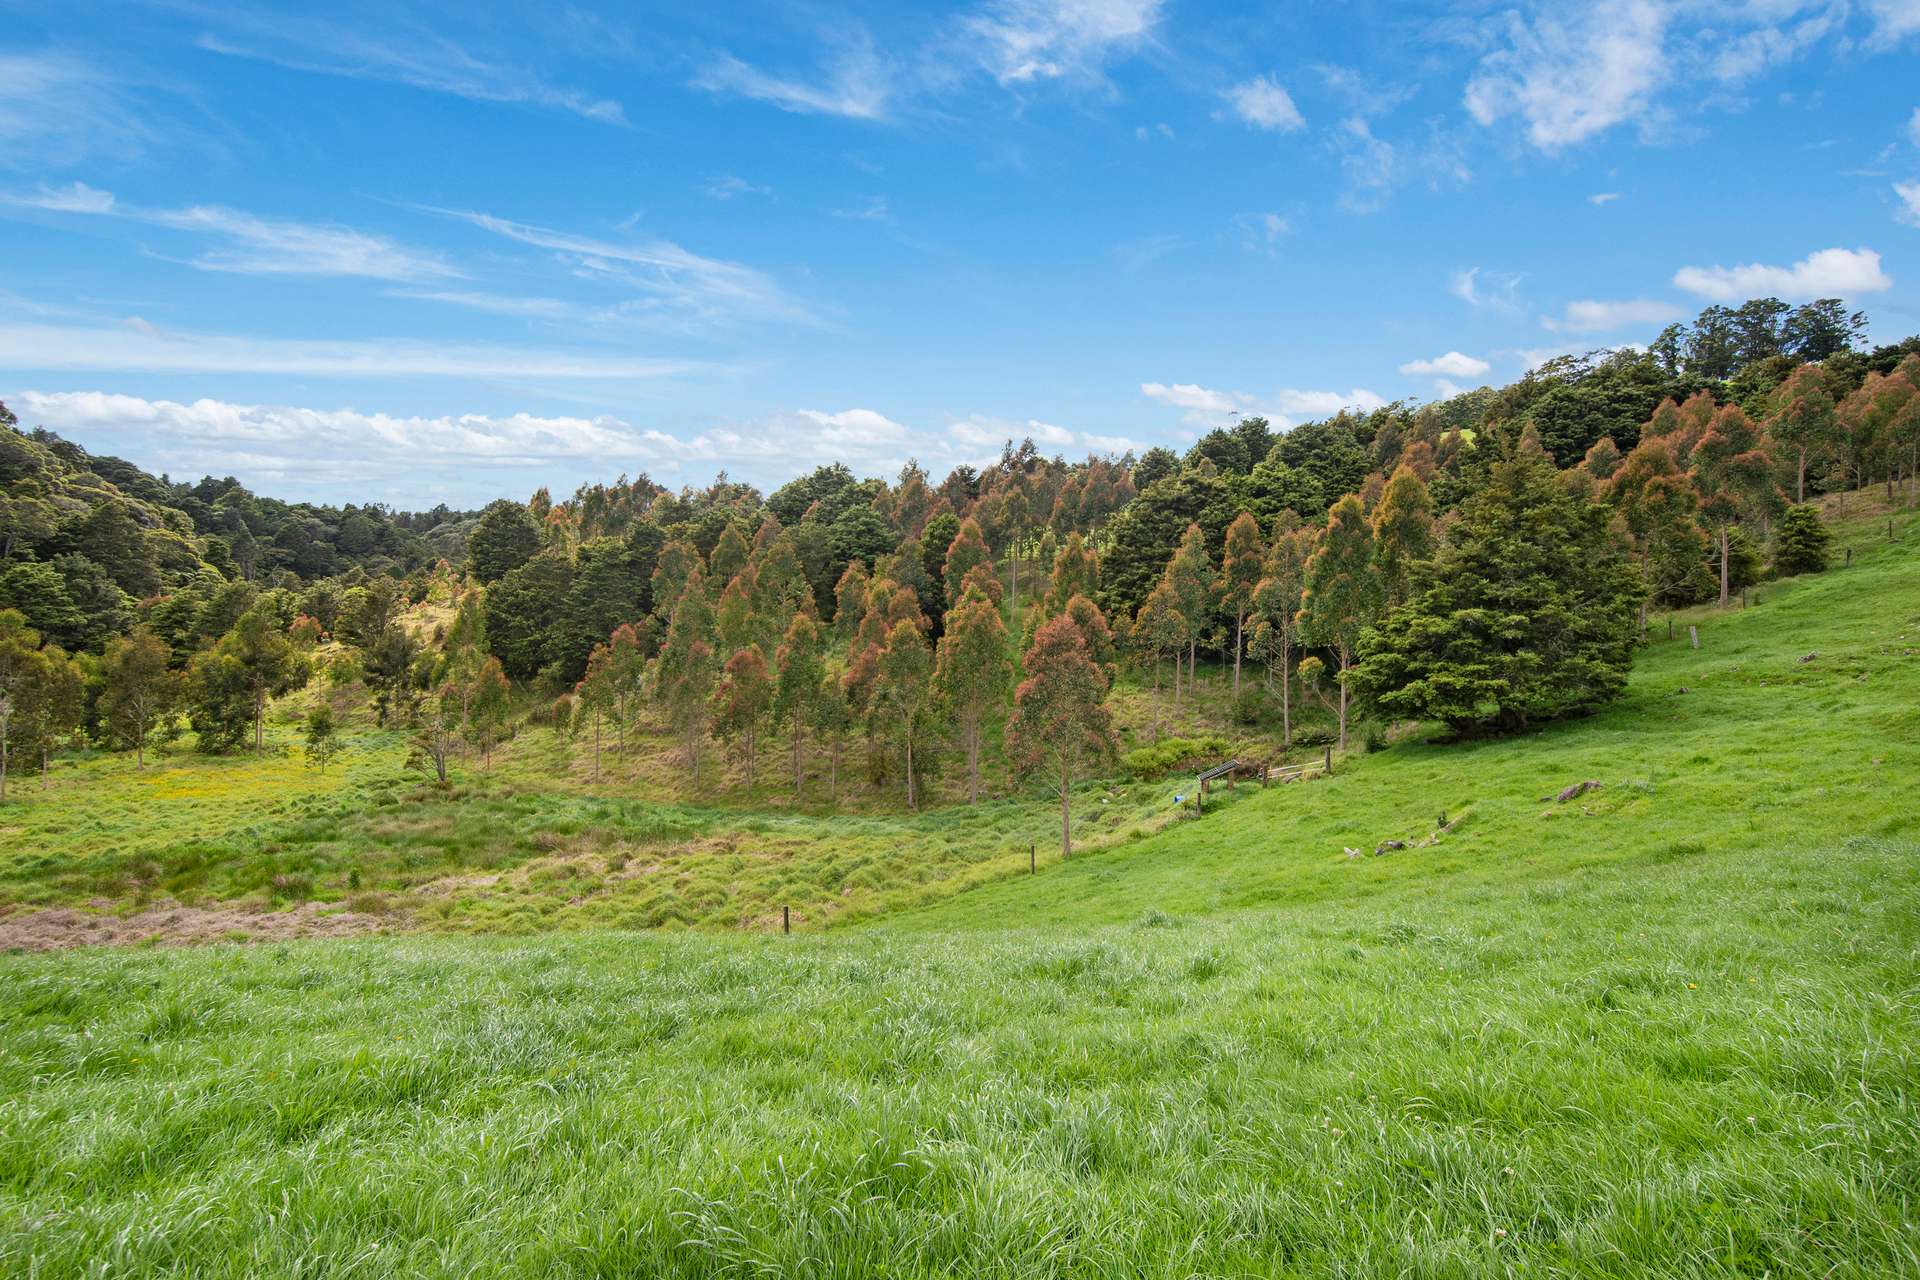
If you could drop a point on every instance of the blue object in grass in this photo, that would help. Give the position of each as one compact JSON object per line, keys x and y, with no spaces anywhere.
{"x":1179,"y":799}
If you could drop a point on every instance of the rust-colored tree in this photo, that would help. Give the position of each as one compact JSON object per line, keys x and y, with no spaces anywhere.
{"x":1241,"y":565}
{"x":741,"y":704}
{"x":1060,"y":720}
{"x":972,"y":674}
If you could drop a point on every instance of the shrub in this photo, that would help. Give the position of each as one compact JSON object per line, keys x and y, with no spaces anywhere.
{"x":1802,"y":543}
{"x":1173,"y":755}
{"x":1256,"y":706}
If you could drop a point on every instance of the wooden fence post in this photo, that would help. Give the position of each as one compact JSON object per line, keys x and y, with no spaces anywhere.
{"x":1033,"y":860}
{"x":1329,"y":764}
{"x":1693,"y":634}
{"x":1849,"y":557}
{"x":1669,"y":628}
{"x":786,"y":919}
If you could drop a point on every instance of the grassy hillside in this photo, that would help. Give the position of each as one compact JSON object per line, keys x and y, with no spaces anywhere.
{"x":1669,"y":1027}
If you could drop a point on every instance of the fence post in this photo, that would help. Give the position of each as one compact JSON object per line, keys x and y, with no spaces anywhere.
{"x":1033,"y":860}
{"x":1669,"y":628}
{"x":1693,"y":634}
{"x":1849,"y":557}
{"x":786,"y":919}
{"x":1329,"y":764}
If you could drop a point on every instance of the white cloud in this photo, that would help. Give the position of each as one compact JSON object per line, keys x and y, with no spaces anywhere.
{"x":979,"y":437}
{"x":728,"y":187}
{"x":1603,"y":197}
{"x":1589,"y":316}
{"x":1909,"y":193}
{"x":1291,"y":404}
{"x":56,"y":110}
{"x":1261,"y":232}
{"x":254,"y":245}
{"x":1497,"y":290}
{"x":1207,"y":407}
{"x":1191,"y":396}
{"x":1830,"y":273}
{"x":497,"y":304}
{"x":674,"y":278}
{"x":1028,"y":40}
{"x":435,"y":64}
{"x":140,"y":347}
{"x":858,"y":84}
{"x":1894,"y":20}
{"x":1913,"y":127}
{"x":1573,"y":75}
{"x":1453,"y":365}
{"x":1264,"y":104}
{"x":350,"y":452}
{"x":872,"y":209}
{"x":1368,"y":164}
{"x":1740,"y":58}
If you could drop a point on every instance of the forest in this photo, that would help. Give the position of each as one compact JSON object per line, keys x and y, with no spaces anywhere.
{"x":1481,"y":563}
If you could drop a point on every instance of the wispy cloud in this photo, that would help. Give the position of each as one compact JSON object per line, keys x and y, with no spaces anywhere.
{"x":1592,"y":316}
{"x":57,"y":110}
{"x":1262,"y":232}
{"x":497,"y":304}
{"x":1207,"y":407}
{"x":1830,"y":273}
{"x":1264,"y":104}
{"x":672,"y":278}
{"x":1575,"y":73}
{"x":1143,"y":252}
{"x":1027,"y":40}
{"x":420,"y":60}
{"x":872,"y":209}
{"x":1603,"y":197}
{"x":728,"y":187}
{"x":1498,"y":290}
{"x":1909,"y":193}
{"x":857,"y":83}
{"x":253,"y":245}
{"x":139,"y":347}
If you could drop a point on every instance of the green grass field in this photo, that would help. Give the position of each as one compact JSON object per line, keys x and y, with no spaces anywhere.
{"x":1668,"y":1028}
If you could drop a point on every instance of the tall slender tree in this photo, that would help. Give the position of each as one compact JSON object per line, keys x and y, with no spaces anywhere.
{"x":904,"y":688}
{"x":1060,"y":721}
{"x":798,"y":684}
{"x":1190,"y":574}
{"x":1802,"y":420}
{"x":1402,"y":535}
{"x":1734,"y":476}
{"x":683,"y":673}
{"x":1342,"y":593}
{"x":1076,"y":572}
{"x":967,"y":551}
{"x":742,"y":702}
{"x":1241,"y":565}
{"x":972,"y":675}
{"x":1159,"y":632}
{"x":1277,"y":602}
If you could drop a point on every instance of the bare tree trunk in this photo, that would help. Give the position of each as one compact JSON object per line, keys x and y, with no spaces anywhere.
{"x":259,"y":718}
{"x":1239,"y":627}
{"x":1066,"y":820}
{"x":912,"y":804}
{"x":833,"y":773}
{"x":1723,"y":565}
{"x":1800,"y":483}
{"x":596,"y":746}
{"x":1343,"y":697}
{"x":1286,"y":693}
{"x":1156,"y":700}
{"x":796,"y":754}
{"x":973,"y":760}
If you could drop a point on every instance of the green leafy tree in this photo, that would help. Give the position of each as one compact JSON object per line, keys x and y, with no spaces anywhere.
{"x":1803,"y":421}
{"x":139,"y":690}
{"x":1402,"y":535}
{"x":1060,"y":720}
{"x":437,"y":728}
{"x":967,"y":551}
{"x":1801,"y":546}
{"x":1734,"y":476}
{"x":1076,"y":572}
{"x":1241,"y":564}
{"x":683,"y":673}
{"x":833,"y":720}
{"x":850,"y":600}
{"x":1190,"y":574}
{"x":322,"y":737}
{"x":1160,"y":632}
{"x":972,"y":676}
{"x":489,"y":702}
{"x":742,"y":702}
{"x":903,"y":692}
{"x":522,"y":610}
{"x":1341,"y":597}
{"x":1526,"y":614}
{"x":1277,"y":602}
{"x":504,"y":538}
{"x":798,"y":684}
{"x":219,"y":701}
{"x":47,"y":707}
{"x":729,"y":556}
{"x":1659,"y":507}
{"x":391,"y":670}
{"x":269,"y":666}
{"x":594,"y":698}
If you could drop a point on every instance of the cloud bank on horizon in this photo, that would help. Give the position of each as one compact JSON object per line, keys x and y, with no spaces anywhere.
{"x":415,"y":256}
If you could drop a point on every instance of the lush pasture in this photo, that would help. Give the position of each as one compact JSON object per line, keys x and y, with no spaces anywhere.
{"x":1669,"y":1027}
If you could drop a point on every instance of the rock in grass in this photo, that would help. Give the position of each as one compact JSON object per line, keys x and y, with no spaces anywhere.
{"x":1385,"y":845}
{"x":1577,"y":789}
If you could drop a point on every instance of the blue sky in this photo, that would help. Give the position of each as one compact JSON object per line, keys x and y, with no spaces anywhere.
{"x":419,"y":253}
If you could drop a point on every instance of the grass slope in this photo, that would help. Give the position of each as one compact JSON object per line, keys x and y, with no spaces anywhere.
{"x":1673,"y":1030}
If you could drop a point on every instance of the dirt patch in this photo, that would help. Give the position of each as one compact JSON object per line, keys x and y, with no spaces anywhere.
{"x":52,"y":928}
